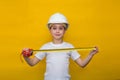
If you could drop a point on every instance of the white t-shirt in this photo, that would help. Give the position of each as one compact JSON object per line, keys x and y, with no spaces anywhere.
{"x":57,"y":67}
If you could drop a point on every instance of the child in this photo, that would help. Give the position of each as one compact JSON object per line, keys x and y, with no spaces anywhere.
{"x":58,"y":62}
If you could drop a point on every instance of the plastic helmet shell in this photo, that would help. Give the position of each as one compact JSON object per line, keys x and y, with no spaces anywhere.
{"x":58,"y":18}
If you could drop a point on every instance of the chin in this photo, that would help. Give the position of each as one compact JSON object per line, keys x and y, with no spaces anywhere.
{"x":58,"y":38}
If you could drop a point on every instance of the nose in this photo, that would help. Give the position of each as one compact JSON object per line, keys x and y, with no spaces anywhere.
{"x":57,"y":30}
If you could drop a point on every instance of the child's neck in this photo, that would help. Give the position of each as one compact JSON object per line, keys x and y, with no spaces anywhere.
{"x":57,"y":41}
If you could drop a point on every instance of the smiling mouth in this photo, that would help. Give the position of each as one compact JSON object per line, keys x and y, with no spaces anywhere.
{"x":57,"y":34}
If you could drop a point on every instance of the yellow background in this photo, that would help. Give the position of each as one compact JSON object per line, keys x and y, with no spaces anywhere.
{"x":92,"y":22}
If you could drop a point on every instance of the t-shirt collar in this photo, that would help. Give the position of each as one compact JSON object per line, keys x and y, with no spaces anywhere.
{"x":61,"y":44}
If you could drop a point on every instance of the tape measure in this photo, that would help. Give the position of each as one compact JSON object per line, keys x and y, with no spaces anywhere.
{"x":61,"y":50}
{"x":65,"y":49}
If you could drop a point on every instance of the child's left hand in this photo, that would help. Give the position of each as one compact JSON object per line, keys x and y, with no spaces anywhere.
{"x":94,"y":51}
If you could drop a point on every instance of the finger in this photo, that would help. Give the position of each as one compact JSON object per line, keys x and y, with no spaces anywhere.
{"x":25,"y":49}
{"x":96,"y":48}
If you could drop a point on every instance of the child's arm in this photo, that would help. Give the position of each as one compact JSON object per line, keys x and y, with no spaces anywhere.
{"x":31,"y":61}
{"x":84,"y":62}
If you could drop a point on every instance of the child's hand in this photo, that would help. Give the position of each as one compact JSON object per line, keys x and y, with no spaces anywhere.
{"x":26,"y":52}
{"x":94,"y":51}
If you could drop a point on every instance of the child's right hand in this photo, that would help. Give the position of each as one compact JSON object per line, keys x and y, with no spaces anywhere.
{"x":27,"y":52}
{"x":93,"y":52}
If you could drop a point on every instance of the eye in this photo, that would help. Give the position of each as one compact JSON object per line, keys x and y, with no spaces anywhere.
{"x":54,"y":28}
{"x":61,"y":28}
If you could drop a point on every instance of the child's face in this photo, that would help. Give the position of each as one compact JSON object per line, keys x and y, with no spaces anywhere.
{"x":57,"y":30}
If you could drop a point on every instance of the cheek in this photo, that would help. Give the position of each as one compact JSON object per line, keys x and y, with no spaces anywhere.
{"x":62,"y":32}
{"x":52,"y":31}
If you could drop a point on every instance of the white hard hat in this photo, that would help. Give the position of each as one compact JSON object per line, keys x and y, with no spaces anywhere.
{"x":58,"y":18}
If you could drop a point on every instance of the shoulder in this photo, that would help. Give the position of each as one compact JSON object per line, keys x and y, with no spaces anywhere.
{"x":69,"y":44}
{"x":46,"y":45}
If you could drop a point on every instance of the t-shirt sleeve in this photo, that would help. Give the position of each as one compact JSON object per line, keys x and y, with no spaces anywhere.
{"x":40,"y":55}
{"x":74,"y":54}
